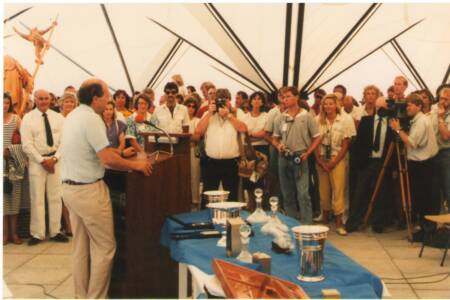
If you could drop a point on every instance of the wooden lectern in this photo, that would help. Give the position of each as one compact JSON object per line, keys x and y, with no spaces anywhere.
{"x":143,"y":268}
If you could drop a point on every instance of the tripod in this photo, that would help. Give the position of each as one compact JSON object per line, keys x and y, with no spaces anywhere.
{"x":404,"y":184}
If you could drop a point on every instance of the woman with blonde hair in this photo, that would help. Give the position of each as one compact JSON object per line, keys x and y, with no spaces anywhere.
{"x":67,"y":103}
{"x":336,"y":130}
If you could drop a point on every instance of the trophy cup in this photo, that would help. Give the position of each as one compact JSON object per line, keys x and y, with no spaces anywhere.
{"x":245,"y":256}
{"x":259,"y":215}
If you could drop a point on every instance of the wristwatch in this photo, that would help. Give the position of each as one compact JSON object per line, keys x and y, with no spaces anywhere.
{"x":398,"y":131}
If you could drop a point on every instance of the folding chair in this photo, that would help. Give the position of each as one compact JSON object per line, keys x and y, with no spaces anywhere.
{"x":444,"y":219}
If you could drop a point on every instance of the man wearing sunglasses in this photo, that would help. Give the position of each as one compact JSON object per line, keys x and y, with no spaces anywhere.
{"x":171,"y":116}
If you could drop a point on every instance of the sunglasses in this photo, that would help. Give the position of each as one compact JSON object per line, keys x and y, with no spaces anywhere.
{"x":191,"y":105}
{"x":171,"y":92}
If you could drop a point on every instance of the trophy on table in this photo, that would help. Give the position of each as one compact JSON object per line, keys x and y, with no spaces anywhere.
{"x":259,"y":215}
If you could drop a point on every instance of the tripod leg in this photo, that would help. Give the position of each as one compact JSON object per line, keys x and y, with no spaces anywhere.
{"x":408,"y":189}
{"x":401,"y":169}
{"x":378,"y":184}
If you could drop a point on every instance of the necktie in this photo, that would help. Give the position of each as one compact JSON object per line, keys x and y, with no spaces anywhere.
{"x":48,"y":130}
{"x":376,"y":142}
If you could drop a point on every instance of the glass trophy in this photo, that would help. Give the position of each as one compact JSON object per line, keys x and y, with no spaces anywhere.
{"x":245,"y":256}
{"x":274,"y":222}
{"x":259,"y":215}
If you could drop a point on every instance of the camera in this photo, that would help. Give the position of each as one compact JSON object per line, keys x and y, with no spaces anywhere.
{"x":220,"y":103}
{"x":397,"y":110}
{"x":293,"y":156}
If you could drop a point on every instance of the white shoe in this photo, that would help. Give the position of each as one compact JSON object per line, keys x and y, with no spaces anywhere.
{"x":341,"y":231}
{"x":318,"y":219}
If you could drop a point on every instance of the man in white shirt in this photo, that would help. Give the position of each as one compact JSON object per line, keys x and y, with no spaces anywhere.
{"x":443,"y":138}
{"x":41,"y":132}
{"x":220,"y":128}
{"x":422,"y":147}
{"x":84,"y":152}
{"x":171,"y":116}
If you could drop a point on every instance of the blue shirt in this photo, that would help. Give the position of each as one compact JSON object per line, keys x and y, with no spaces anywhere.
{"x":84,"y":135}
{"x":113,"y":132}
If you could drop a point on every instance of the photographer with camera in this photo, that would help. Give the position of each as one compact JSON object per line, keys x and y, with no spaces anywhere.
{"x":370,"y":148}
{"x":336,"y":130}
{"x":220,"y":128}
{"x":296,"y":135}
{"x":443,"y":139}
{"x":421,"y":148}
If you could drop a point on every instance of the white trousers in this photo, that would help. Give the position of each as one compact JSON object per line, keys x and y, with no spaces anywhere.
{"x":40,"y":182}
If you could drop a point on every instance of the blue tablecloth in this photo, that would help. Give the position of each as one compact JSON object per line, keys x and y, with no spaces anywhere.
{"x":341,"y":272}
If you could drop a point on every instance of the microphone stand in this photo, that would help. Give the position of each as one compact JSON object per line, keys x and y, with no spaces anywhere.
{"x":156,"y":139}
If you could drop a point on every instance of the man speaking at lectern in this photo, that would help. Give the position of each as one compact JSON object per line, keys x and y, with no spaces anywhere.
{"x":84,"y":152}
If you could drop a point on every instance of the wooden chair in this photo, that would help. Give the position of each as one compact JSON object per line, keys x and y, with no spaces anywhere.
{"x":444,"y":219}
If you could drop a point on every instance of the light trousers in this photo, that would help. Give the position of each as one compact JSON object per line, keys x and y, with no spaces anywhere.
{"x":93,"y":244}
{"x":332,"y":187}
{"x":41,"y":182}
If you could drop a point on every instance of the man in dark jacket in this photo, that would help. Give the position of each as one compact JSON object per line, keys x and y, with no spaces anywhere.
{"x":371,"y":146}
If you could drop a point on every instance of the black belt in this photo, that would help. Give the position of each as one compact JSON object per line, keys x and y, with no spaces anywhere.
{"x":49,"y":154}
{"x":71,"y":182}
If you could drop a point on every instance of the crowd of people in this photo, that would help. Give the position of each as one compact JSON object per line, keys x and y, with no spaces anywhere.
{"x":324,"y":159}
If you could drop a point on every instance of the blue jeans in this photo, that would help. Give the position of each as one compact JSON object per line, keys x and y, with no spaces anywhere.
{"x":444,"y":164}
{"x":294,"y":181}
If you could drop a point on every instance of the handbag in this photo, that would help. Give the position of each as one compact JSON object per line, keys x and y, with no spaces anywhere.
{"x":7,"y":185}
{"x":251,"y":161}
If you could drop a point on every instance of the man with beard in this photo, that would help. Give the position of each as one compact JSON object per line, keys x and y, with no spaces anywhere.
{"x":220,"y":128}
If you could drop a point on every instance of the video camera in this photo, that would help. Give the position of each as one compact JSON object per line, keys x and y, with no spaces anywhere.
{"x":396,"y":109}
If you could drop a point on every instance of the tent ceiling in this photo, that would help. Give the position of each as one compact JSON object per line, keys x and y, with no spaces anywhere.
{"x":260,"y":28}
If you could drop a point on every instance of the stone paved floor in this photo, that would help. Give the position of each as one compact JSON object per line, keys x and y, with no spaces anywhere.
{"x":44,"y":270}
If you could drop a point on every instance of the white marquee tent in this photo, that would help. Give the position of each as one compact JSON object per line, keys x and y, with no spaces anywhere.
{"x":239,"y":46}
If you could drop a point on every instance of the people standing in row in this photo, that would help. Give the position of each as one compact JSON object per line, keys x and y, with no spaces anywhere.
{"x":11,"y":197}
{"x":336,"y":130}
{"x":41,"y":136}
{"x":220,"y":129}
{"x":296,"y":136}
{"x":85,"y":150}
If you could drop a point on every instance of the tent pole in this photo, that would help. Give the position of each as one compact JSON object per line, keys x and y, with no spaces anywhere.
{"x":447,"y":74}
{"x":209,"y":55}
{"x":116,"y":42}
{"x":342,"y":44}
{"x":287,"y":43}
{"x":17,"y":14}
{"x":398,"y":67}
{"x":165,"y":62}
{"x":298,"y":43}
{"x":421,"y":81}
{"x":406,"y":63}
{"x":365,"y":56}
{"x":240,"y":45}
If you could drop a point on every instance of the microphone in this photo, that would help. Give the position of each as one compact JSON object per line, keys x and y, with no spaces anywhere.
{"x":141,"y":120}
